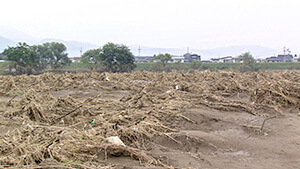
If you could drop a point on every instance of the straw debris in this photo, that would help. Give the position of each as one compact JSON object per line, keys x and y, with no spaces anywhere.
{"x":74,"y":127}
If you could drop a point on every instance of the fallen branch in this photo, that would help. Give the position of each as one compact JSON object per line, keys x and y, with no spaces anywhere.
{"x":9,"y":102}
{"x":186,"y":118}
{"x":69,"y":113}
{"x":178,"y":142}
{"x":262,"y":126}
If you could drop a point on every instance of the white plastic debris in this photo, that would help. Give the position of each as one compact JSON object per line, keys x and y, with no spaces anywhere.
{"x":115,"y":140}
{"x":29,"y":126}
{"x":176,"y":87}
{"x":107,"y":79}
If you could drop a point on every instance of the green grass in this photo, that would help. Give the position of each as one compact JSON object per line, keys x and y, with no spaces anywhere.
{"x":3,"y":68}
{"x":221,"y":66}
{"x":4,"y":65}
{"x":279,"y":66}
{"x":187,"y":66}
{"x":144,"y":66}
{"x":152,"y":66}
{"x":216,"y":66}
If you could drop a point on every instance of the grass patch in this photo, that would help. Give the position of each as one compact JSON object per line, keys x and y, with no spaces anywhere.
{"x":217,"y":66}
{"x":157,"y":67}
{"x":279,"y":66}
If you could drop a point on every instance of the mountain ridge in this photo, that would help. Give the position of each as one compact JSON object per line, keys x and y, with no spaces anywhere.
{"x":17,"y":36}
{"x":76,"y":48}
{"x":255,"y":50}
{"x":4,"y":43}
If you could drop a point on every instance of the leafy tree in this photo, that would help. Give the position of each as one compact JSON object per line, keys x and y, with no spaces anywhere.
{"x":53,"y":54}
{"x":91,"y":56}
{"x":23,"y":58}
{"x":116,"y":58}
{"x":163,"y":58}
{"x":248,"y":62}
{"x":44,"y":55}
{"x":60,"y":56}
{"x":112,"y":57}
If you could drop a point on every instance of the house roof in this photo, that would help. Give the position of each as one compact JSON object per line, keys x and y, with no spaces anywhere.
{"x":226,"y":57}
{"x":281,"y":58}
{"x":286,"y":56}
{"x":190,"y":54}
{"x":273,"y":58}
{"x":77,"y":58}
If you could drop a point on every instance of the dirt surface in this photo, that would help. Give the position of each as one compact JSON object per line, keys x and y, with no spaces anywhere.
{"x":166,"y":120}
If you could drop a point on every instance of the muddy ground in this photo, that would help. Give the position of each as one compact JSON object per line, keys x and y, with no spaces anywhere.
{"x":166,"y":120}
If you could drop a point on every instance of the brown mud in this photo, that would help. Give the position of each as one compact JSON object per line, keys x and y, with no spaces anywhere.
{"x":166,"y":120}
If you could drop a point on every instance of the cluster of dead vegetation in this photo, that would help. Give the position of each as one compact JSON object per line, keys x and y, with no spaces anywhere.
{"x":69,"y":131}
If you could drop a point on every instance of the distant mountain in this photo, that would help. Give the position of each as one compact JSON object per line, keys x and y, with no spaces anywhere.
{"x":17,"y":36}
{"x":10,"y":36}
{"x":150,"y":51}
{"x":73,"y":47}
{"x":256,"y":51}
{"x":4,"y":43}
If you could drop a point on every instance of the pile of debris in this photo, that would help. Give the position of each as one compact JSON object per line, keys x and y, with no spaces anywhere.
{"x":84,"y":132}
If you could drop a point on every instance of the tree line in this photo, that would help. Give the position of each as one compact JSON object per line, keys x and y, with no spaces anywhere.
{"x":26,"y":59}
{"x":247,"y":59}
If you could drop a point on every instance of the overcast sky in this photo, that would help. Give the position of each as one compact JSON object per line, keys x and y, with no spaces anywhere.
{"x":201,"y":24}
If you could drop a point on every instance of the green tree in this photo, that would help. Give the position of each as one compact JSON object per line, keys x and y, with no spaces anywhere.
{"x":248,"y":62}
{"x":91,"y":56}
{"x":53,"y":54}
{"x":23,"y":58}
{"x":163,"y":58}
{"x":44,"y":54}
{"x":116,"y":58}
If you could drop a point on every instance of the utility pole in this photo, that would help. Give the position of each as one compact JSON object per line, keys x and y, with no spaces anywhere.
{"x":139,"y":49}
{"x":80,"y":51}
{"x":289,"y":51}
{"x":188,"y":50}
{"x":284,"y":50}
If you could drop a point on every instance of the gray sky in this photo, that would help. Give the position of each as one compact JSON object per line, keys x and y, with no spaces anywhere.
{"x":201,"y":24}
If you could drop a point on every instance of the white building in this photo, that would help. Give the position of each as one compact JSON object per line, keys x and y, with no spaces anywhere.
{"x":179,"y":59}
{"x":226,"y":59}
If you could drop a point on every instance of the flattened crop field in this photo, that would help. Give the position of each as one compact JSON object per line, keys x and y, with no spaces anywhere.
{"x":163,"y":120}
